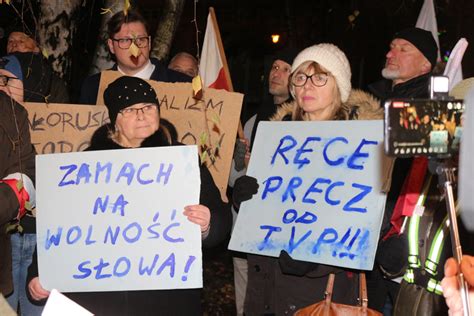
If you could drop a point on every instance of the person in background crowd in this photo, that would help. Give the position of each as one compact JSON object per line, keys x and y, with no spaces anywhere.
{"x":20,"y":42}
{"x":17,"y":192}
{"x":130,"y":43}
{"x":184,"y":63}
{"x":40,"y":82}
{"x":136,"y":123}
{"x":279,"y":93}
{"x":320,"y":83}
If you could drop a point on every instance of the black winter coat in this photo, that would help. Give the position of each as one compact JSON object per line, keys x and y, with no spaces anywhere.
{"x":90,"y":86}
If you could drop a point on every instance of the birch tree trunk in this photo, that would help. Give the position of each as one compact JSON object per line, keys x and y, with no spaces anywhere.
{"x":56,"y":31}
{"x":166,"y":29}
{"x":102,"y":58}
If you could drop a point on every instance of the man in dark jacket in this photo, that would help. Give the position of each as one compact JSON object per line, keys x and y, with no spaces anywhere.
{"x":40,"y":82}
{"x":130,"y":43}
{"x":278,"y":93}
{"x":408,"y":67}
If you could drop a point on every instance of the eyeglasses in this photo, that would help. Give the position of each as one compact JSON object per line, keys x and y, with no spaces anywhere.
{"x":4,"y":80}
{"x":146,"y":110}
{"x":124,"y":43}
{"x":318,"y":79}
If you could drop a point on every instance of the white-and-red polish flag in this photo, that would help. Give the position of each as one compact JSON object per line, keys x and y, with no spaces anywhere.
{"x":427,"y":21}
{"x":213,"y":65}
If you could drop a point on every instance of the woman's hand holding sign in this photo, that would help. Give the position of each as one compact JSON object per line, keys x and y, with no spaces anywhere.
{"x":199,"y":214}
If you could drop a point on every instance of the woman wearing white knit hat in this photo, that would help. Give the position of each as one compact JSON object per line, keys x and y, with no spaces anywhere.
{"x":320,"y":83}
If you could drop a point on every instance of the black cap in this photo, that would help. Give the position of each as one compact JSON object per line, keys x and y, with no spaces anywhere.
{"x":286,"y":54}
{"x":127,"y":91}
{"x":423,"y":40}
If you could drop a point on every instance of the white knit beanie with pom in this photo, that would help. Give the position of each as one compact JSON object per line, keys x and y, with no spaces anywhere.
{"x":333,"y":59}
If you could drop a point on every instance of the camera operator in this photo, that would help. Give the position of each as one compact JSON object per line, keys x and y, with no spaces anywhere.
{"x":416,"y":201}
{"x":408,"y":67}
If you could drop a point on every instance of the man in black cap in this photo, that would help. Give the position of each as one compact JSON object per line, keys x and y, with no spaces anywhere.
{"x":278,"y":93}
{"x":408,"y":67}
{"x":410,"y":61}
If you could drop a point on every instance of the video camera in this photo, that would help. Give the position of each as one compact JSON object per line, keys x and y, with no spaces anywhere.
{"x":429,"y":127}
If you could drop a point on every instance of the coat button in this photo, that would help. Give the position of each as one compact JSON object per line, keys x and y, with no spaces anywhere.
{"x":257,"y":268}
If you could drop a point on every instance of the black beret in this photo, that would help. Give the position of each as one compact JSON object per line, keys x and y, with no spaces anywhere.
{"x":127,"y":91}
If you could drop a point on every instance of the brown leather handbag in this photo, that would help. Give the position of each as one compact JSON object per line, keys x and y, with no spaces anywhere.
{"x":328,"y":308}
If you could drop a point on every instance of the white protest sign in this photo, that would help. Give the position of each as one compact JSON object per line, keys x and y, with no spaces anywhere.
{"x":319,"y":195}
{"x":112,"y":220}
{"x":59,"y":305}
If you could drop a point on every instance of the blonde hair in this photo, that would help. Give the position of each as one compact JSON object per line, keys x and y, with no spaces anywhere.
{"x":336,"y":104}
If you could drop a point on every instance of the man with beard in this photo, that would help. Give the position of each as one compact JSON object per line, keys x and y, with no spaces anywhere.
{"x":278,"y":93}
{"x":130,"y":43}
{"x":408,"y":67}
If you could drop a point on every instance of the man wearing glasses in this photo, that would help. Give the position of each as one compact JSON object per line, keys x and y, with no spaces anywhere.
{"x":130,"y":43}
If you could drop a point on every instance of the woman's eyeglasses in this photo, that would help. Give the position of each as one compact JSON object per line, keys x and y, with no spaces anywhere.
{"x":147,"y":109}
{"x":318,"y":79}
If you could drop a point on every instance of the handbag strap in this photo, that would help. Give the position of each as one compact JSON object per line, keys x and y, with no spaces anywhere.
{"x":329,"y":288}
{"x":362,"y":289}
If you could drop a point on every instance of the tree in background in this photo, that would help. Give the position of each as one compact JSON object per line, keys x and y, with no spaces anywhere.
{"x":56,"y":29}
{"x":166,"y":30}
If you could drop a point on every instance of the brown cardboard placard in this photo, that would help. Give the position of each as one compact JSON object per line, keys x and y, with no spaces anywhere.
{"x":212,"y":122}
{"x":59,"y":128}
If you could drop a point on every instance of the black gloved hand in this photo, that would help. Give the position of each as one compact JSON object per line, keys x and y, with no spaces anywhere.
{"x":244,"y":188}
{"x":294,"y":267}
{"x":239,"y":155}
{"x":392,"y":256}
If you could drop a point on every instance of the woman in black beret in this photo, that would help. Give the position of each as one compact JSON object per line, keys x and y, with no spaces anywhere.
{"x":135,"y":123}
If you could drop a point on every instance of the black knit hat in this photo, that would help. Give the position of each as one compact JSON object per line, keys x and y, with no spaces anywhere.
{"x":286,"y":54}
{"x":127,"y":91}
{"x":423,"y":40}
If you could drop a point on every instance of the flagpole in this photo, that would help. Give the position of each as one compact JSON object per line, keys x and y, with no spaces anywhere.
{"x":240,"y":130}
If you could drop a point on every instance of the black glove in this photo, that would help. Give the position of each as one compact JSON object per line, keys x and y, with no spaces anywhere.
{"x":392,"y":256}
{"x":294,"y":267}
{"x":244,"y":188}
{"x":239,"y":155}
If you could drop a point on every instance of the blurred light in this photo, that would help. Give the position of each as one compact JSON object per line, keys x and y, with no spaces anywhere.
{"x":275,"y":38}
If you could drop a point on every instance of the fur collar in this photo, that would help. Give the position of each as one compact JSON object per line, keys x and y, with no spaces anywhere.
{"x":360,"y":106}
{"x":101,"y":140}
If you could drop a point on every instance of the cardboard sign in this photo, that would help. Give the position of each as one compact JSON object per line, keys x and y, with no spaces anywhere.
{"x":319,"y":195}
{"x":211,"y":123}
{"x":112,"y":220}
{"x":63,"y":128}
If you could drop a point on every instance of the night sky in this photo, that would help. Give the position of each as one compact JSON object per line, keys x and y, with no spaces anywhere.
{"x":246,"y":28}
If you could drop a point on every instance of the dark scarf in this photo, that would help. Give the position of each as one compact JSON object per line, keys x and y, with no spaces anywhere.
{"x":414,"y":88}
